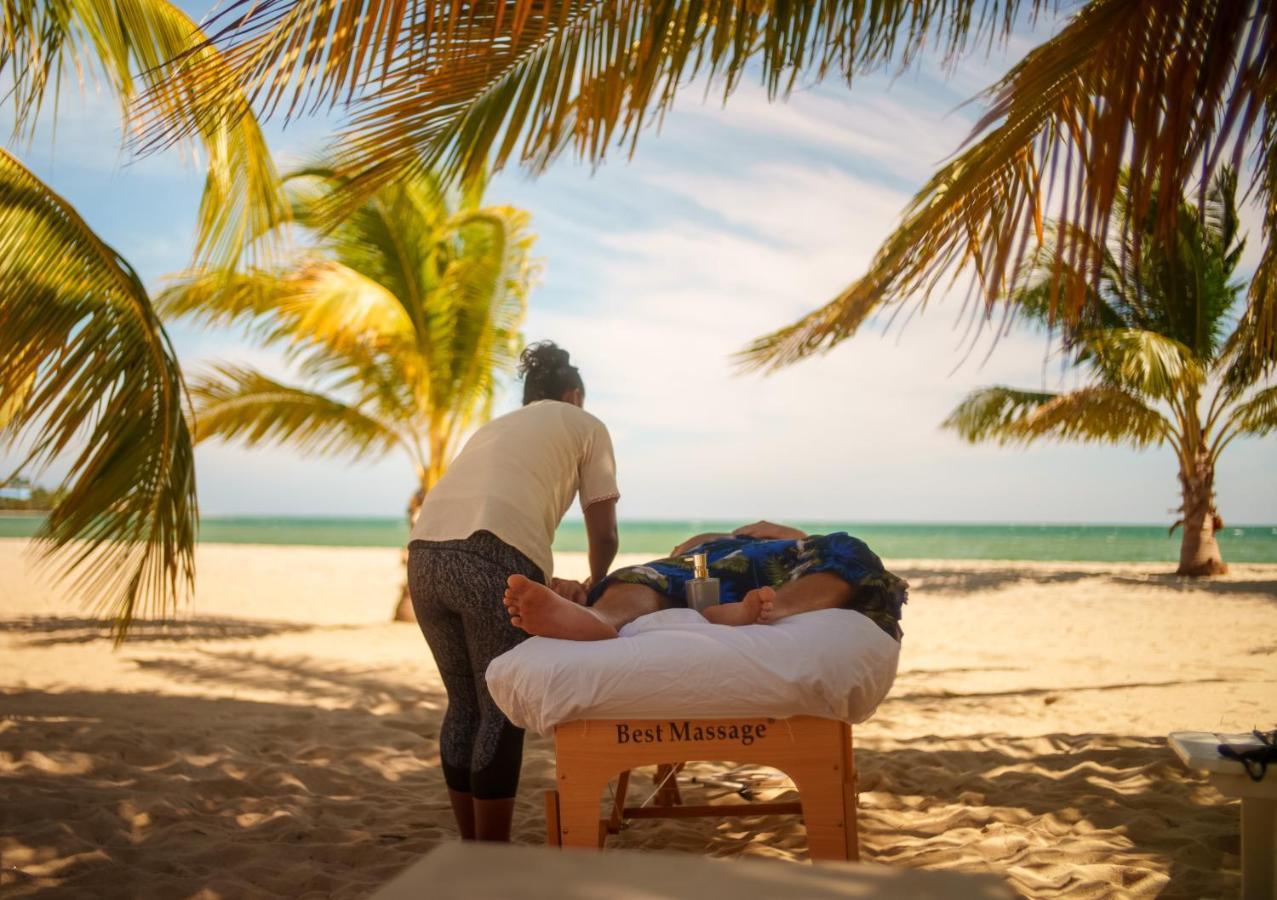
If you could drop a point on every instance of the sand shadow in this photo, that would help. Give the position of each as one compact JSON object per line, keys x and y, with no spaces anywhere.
{"x":1131,"y":786}
{"x":920,"y":696}
{"x":1265,"y":588}
{"x":940,"y":580}
{"x":143,"y":795}
{"x":49,"y":631}
{"x":128,"y":794}
{"x":366,"y":687}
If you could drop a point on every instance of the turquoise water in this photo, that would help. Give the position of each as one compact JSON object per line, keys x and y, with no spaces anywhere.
{"x":1074,"y":543}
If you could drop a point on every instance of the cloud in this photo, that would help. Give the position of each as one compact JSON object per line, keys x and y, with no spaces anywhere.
{"x":758,"y":240}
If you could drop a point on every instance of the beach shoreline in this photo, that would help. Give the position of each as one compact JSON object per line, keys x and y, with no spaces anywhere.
{"x":281,"y":737}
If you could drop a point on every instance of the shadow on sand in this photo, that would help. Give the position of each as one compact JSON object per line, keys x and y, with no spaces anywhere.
{"x":131,"y":794}
{"x":48,"y":631}
{"x":941,"y":580}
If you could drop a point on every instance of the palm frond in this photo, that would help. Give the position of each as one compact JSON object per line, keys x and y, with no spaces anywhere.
{"x":1143,"y":362}
{"x":150,"y":44}
{"x":90,"y":375}
{"x":1171,"y":90}
{"x":1256,"y":417}
{"x":1089,"y":415}
{"x":1252,"y":347}
{"x":240,"y":403}
{"x":458,"y":87}
{"x":991,"y":413}
{"x":320,"y":302}
{"x":405,"y":313}
{"x":481,"y":302}
{"x":221,"y":299}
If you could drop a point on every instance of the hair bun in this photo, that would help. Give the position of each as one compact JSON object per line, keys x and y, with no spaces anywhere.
{"x":542,"y":357}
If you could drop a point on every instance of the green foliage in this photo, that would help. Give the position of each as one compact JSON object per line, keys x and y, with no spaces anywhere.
{"x":1158,"y":339}
{"x":151,"y":45}
{"x":39,"y":499}
{"x":400,"y":318}
{"x":89,"y":372}
{"x":1059,"y":129}
{"x":1098,"y":414}
{"x":1172,"y":90}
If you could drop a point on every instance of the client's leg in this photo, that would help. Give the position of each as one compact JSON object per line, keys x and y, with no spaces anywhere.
{"x":822,"y":590}
{"x":540,"y":611}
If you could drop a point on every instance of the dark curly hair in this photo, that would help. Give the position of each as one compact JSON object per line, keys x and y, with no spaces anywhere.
{"x":546,"y":372}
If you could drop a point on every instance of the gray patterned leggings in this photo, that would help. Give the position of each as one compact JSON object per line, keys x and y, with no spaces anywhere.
{"x":456,"y":589}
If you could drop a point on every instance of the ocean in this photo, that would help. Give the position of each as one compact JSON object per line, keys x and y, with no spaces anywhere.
{"x":1070,"y":543}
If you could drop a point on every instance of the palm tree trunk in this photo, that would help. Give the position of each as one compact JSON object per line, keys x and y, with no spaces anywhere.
{"x":427,"y":478}
{"x":403,"y":610}
{"x":1198,"y":550}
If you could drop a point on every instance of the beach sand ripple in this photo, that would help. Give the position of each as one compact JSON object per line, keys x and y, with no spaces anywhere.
{"x":282,"y":740}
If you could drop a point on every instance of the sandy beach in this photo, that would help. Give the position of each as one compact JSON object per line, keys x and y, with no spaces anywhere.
{"x":282,"y":739}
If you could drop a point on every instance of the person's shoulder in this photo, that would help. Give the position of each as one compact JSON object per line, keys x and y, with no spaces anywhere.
{"x":569,"y":412}
{"x":588,"y":421}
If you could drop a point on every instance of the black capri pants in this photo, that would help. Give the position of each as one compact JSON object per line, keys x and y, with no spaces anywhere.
{"x":457,"y":588}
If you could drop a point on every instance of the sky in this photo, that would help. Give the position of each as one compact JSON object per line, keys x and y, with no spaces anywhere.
{"x":730,"y":222}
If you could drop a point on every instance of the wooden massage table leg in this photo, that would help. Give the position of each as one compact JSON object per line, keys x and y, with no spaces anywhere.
{"x":666,"y":783}
{"x":828,"y":795}
{"x":618,"y":803}
{"x":815,"y":753}
{"x":552,"y":836}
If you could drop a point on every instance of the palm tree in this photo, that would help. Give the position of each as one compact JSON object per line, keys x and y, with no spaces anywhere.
{"x":401,"y":318}
{"x":1171,"y":89}
{"x":1158,"y":342}
{"x":87,"y":373}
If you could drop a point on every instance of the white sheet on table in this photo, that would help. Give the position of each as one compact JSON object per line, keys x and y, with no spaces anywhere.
{"x":833,"y":663}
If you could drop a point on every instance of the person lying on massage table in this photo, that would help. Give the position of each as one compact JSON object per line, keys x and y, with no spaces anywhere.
{"x":766,"y":572}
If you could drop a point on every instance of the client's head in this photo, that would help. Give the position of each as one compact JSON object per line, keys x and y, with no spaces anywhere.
{"x":547,"y":375}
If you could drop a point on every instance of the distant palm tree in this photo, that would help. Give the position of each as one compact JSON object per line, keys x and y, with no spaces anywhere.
{"x":401,"y":318}
{"x":1158,"y":341}
{"x":87,"y":373}
{"x":1172,"y":89}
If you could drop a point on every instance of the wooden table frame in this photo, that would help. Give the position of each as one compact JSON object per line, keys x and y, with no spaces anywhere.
{"x":1198,"y":750}
{"x":816,"y":753}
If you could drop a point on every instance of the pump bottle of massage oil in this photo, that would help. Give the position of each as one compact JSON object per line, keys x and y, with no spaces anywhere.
{"x":702,"y":591}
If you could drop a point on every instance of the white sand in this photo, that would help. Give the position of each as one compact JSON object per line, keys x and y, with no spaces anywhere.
{"x":283,"y":739}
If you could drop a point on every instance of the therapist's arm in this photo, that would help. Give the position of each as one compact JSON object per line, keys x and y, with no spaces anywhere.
{"x":600,"y":530}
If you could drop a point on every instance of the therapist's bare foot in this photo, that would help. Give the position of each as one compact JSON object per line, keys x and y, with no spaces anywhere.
{"x":538,"y":610}
{"x":754,"y":607}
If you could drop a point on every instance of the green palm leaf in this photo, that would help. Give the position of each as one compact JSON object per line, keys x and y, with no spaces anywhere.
{"x":151,"y":44}
{"x":459,"y":87}
{"x":88,"y":371}
{"x":1256,"y":417}
{"x":1143,"y":362}
{"x":400,"y":320}
{"x":239,"y":403}
{"x":1092,"y":414}
{"x":1059,"y":129}
{"x":989,"y":413}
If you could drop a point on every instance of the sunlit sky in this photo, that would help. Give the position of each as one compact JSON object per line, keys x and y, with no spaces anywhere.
{"x":729,"y":222}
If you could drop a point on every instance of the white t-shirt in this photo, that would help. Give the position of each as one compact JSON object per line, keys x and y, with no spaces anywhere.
{"x":516,"y":477}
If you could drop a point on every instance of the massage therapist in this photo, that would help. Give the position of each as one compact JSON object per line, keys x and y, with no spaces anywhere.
{"x":492,"y":515}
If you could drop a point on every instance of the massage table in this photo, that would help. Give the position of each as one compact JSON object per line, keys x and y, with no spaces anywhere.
{"x":814,"y":752}
{"x":674,"y":688}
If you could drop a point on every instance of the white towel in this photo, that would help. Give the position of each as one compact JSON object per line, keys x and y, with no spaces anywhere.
{"x":833,"y":663}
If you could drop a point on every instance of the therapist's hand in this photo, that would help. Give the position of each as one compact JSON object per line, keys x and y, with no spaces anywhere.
{"x":572,"y":590}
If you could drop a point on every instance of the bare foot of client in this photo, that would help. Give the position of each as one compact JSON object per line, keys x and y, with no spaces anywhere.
{"x":756,"y":606}
{"x":540,"y":611}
